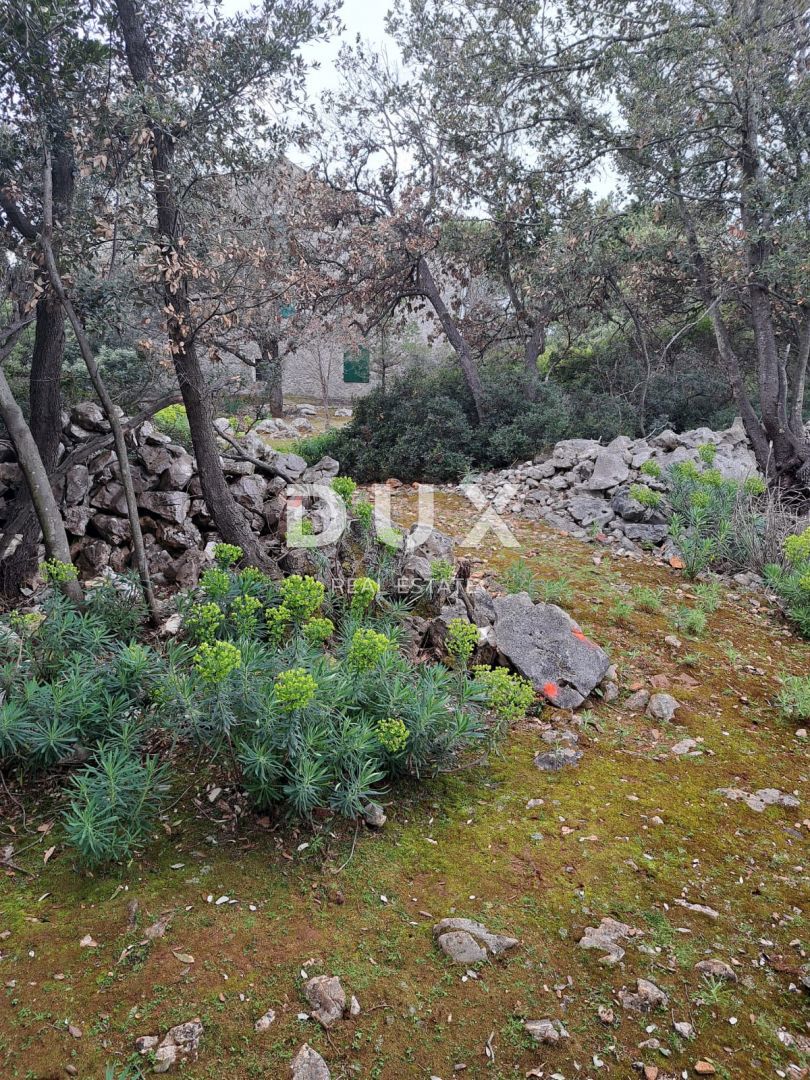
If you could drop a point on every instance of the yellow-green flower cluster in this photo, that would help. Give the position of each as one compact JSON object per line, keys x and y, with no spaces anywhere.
{"x":797,"y":548}
{"x":302,"y":596}
{"x":295,"y":689}
{"x":392,"y":734}
{"x":58,"y":573}
{"x":507,"y":694}
{"x":318,"y":630}
{"x":462,"y":637}
{"x":367,"y":649}
{"x":364,"y":594}
{"x":203,"y":621}
{"x":214,"y":661}
{"x":226,"y":555}
{"x":277,"y":619}
{"x":245,"y":615}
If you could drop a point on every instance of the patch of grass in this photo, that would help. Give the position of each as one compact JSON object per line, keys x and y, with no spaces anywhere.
{"x":691,"y":621}
{"x":646,"y":599}
{"x":793,"y":697}
{"x":621,"y":612}
{"x":708,"y":595}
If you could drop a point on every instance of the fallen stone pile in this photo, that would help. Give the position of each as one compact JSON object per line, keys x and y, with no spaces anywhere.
{"x":176,"y":523}
{"x":584,"y":487}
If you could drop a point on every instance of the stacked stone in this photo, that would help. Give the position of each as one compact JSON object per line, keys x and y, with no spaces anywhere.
{"x":174,"y":517}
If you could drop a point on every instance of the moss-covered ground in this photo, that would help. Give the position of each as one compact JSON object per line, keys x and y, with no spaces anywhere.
{"x":626,"y":833}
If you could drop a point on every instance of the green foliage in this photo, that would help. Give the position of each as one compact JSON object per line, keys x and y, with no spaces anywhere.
{"x":754,"y":486}
{"x":203,"y":622}
{"x":691,"y":621}
{"x":345,"y":487}
{"x":645,"y":599}
{"x":709,"y":595}
{"x":706,"y":510}
{"x":295,"y":689}
{"x":707,"y":452}
{"x":308,"y":728}
{"x":301,"y":596}
{"x":792,"y":581}
{"x":244,"y":615}
{"x":215,"y":661}
{"x":392,"y":734}
{"x":441,"y":571}
{"x":509,"y":695}
{"x":793,"y":697}
{"x":215,"y":583}
{"x":277,"y":619}
{"x":364,"y":593}
{"x":227,"y":555}
{"x":173,"y":421}
{"x":367,"y":649}
{"x":646,"y":496}
{"x":364,"y":512}
{"x":58,"y":573}
{"x":119,"y":604}
{"x":652,"y":469}
{"x":314,"y":447}
{"x":621,"y":611}
{"x":519,"y":577}
{"x":317,"y":631}
{"x":113,"y":805}
{"x":462,"y":638}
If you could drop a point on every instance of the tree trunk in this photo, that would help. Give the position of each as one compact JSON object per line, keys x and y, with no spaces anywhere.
{"x":269,"y":371}
{"x":230,"y":520}
{"x":138,"y":550}
{"x":427,"y":284}
{"x":44,"y":386}
{"x":39,"y":486}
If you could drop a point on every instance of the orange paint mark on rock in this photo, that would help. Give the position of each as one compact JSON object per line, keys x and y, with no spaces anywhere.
{"x":581,"y":637}
{"x":551,"y":690}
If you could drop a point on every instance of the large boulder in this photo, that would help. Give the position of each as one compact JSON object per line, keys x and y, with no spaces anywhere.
{"x":545,"y":645}
{"x":609,"y":471}
{"x":171,"y":505}
{"x":290,"y":466}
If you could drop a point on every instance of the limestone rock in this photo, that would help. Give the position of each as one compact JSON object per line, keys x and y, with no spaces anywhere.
{"x":462,"y":934}
{"x":608,"y":937}
{"x":327,"y":998}
{"x":171,"y":505}
{"x":546,"y":1031}
{"x":717,"y":969}
{"x":179,"y":1045}
{"x":662,"y":707}
{"x":609,"y":471}
{"x":309,"y":1065}
{"x":544,"y":644}
{"x":648,"y":996}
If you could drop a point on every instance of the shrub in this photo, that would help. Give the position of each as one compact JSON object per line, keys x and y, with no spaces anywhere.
{"x":707,"y":452}
{"x":441,"y":571}
{"x":646,"y":496}
{"x":302,"y":596}
{"x":652,"y":469}
{"x":113,"y":805}
{"x":58,"y":573}
{"x":792,"y":580}
{"x":708,"y":595}
{"x":345,"y":487}
{"x":172,"y":421}
{"x":508,"y":695}
{"x":367,"y":649}
{"x":364,"y":594}
{"x":277,"y":620}
{"x":462,"y":638}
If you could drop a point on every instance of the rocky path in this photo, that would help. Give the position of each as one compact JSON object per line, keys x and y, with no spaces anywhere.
{"x":653,"y":891}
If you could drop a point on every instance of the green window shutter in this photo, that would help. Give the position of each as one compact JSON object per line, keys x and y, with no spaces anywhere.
{"x":356,"y":365}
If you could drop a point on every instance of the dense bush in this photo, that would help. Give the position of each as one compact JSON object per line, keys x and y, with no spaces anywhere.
{"x":791,"y":579}
{"x":424,"y":425}
{"x":172,"y":421}
{"x":305,"y":694}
